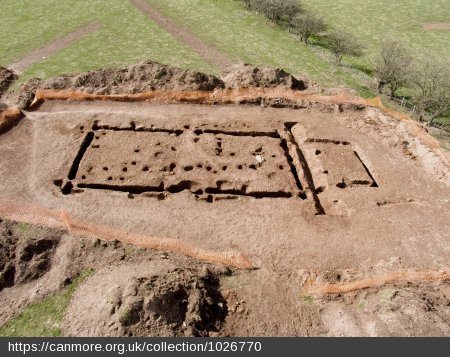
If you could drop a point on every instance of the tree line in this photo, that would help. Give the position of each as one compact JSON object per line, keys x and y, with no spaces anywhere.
{"x":428,"y":79}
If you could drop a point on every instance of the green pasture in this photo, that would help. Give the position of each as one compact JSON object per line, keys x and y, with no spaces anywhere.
{"x":127,"y":36}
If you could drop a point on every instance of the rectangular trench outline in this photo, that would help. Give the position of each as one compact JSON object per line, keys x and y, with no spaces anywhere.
{"x":67,"y":186}
{"x":373,"y":182}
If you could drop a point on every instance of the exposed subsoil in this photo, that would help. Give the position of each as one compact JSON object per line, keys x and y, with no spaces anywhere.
{"x":336,"y":191}
{"x":141,"y":77}
{"x":396,"y":309}
{"x":150,"y":76}
{"x":24,"y":257}
{"x":7,"y":76}
{"x":139,"y":292}
{"x":244,"y":75}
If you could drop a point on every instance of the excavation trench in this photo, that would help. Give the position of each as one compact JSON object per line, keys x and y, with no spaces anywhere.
{"x":148,"y":159}
{"x":241,"y":96}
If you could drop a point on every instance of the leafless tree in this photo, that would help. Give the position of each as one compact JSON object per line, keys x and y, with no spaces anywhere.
{"x":306,"y":24}
{"x":278,"y":11}
{"x":393,"y":67}
{"x":431,"y":79}
{"x":342,"y":43}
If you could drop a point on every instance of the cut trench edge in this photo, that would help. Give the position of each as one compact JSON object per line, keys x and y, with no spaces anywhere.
{"x":320,"y":211}
{"x":83,"y":148}
{"x":182,"y":186}
{"x":132,"y":127}
{"x":373,"y":183}
{"x":253,"y":134}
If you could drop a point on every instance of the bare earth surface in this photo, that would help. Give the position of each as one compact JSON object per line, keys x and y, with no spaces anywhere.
{"x":54,"y":46}
{"x":319,"y":195}
{"x":207,"y":51}
{"x":437,"y":26}
{"x":160,"y":170}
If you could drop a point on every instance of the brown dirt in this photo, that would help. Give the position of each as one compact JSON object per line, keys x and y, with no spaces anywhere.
{"x":54,"y":46}
{"x":207,"y":51}
{"x":244,"y":75}
{"x":149,"y":76}
{"x":334,"y":284}
{"x":37,"y":261}
{"x":27,"y":93}
{"x":24,"y":256}
{"x":364,"y":185}
{"x":166,"y":301}
{"x":8,"y":117}
{"x":32,"y":214}
{"x":414,"y":306}
{"x":7,"y":76}
{"x":437,"y":26}
{"x":137,"y":78}
{"x":273,"y":97}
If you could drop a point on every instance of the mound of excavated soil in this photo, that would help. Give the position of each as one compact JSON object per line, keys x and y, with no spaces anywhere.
{"x":132,"y":292}
{"x":244,"y":75}
{"x":147,"y":76}
{"x":8,"y":117}
{"x":140,"y":77}
{"x":408,"y":308}
{"x":7,"y":76}
{"x":25,"y":254}
{"x":137,"y":78}
{"x":156,"y":299}
{"x":27,"y":93}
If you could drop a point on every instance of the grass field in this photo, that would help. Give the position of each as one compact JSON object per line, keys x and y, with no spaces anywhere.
{"x":372,"y":21}
{"x":127,"y":36}
{"x":245,"y":36}
{"x":250,"y":37}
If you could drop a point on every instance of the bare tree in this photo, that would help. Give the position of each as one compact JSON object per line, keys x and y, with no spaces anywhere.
{"x":342,"y":43}
{"x":306,"y":24}
{"x":431,"y":80}
{"x":279,"y":11}
{"x":393,"y":67}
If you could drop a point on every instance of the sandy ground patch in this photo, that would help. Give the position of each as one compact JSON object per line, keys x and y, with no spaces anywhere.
{"x":437,"y":26}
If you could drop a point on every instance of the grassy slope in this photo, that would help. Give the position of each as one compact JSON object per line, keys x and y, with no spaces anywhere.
{"x":248,"y":37}
{"x":374,"y":20}
{"x":127,"y":36}
{"x":43,"y":318}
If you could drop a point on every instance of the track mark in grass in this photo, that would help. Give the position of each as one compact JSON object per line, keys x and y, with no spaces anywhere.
{"x":208,"y":52}
{"x":54,"y":46}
